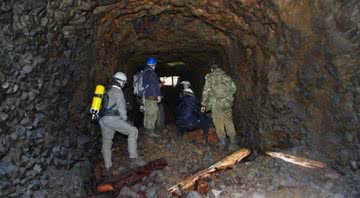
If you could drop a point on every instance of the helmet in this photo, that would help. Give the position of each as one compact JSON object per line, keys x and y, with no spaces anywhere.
{"x":151,"y":61}
{"x":186,"y":84}
{"x":214,"y":66}
{"x":120,"y":77}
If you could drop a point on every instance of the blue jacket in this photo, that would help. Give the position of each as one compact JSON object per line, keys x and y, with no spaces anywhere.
{"x":188,"y":113}
{"x":151,"y":83}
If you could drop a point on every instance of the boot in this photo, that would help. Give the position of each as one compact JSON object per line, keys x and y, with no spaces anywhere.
{"x":109,"y":171}
{"x":151,"y":133}
{"x":135,"y":162}
{"x":205,"y":136}
{"x":221,"y":143}
{"x":233,"y":146}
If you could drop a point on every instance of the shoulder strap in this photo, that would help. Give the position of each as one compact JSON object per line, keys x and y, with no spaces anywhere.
{"x":107,"y":109}
{"x":146,"y":69}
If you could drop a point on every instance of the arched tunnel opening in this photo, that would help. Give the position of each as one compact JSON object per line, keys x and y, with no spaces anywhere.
{"x":294,"y":63}
{"x":171,"y":71}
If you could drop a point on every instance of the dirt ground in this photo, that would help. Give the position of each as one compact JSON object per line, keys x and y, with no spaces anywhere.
{"x":262,"y":176}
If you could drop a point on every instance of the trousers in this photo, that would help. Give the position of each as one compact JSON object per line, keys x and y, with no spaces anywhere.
{"x":150,"y":113}
{"x":111,"y":124}
{"x":223,"y":121}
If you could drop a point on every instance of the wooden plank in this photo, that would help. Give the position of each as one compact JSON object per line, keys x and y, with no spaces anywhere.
{"x":226,"y":163}
{"x":301,"y":161}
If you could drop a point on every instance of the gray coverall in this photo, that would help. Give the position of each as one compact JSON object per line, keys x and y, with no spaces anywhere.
{"x":111,"y":123}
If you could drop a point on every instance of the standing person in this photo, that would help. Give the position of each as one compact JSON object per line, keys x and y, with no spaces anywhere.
{"x":218,"y":97}
{"x":152,"y":96}
{"x":115,"y":119}
{"x":160,"y":123}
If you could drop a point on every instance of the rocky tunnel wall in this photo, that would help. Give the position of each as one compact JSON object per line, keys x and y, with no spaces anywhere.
{"x":295,"y":63}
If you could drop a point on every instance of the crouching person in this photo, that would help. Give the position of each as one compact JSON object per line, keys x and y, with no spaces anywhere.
{"x":115,"y":119}
{"x":189,"y":117}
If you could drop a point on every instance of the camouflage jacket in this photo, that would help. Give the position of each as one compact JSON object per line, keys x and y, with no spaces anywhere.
{"x":218,"y":91}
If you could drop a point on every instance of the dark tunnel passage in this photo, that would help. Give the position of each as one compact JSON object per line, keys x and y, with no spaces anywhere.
{"x":295,"y":65}
{"x":193,"y":71}
{"x":177,"y":72}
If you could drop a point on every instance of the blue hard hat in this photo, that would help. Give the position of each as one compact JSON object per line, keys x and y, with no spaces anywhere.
{"x":151,"y":61}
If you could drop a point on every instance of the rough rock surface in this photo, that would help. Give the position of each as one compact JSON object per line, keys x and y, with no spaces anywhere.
{"x":295,"y":63}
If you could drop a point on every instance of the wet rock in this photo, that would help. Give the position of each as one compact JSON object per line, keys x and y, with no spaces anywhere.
{"x":32,"y":95}
{"x":142,"y":188}
{"x":127,"y":192}
{"x":38,"y":118}
{"x":5,"y":85}
{"x":40,"y":194}
{"x":6,"y":168}
{"x":349,"y":137}
{"x":151,"y":192}
{"x":83,"y":168}
{"x":159,"y":177}
{"x":37,"y":168}
{"x":83,"y":139}
{"x":14,"y":135}
{"x":216,"y":193}
{"x":64,"y":183}
{"x":3,"y":116}
{"x":66,"y":3}
{"x":24,"y":96}
{"x":20,"y":131}
{"x":2,"y":77}
{"x":339,"y":195}
{"x":193,"y":194}
{"x":27,"y":69}
{"x":4,"y":145}
{"x":353,"y":165}
{"x":41,"y":106}
{"x":25,"y":121}
{"x":163,"y":193}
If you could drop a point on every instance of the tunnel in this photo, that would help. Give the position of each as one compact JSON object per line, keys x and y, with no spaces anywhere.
{"x":295,"y":65}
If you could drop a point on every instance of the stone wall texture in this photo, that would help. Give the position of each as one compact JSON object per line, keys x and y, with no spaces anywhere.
{"x":295,"y":63}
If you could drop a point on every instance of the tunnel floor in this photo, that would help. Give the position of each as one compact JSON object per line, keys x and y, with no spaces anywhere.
{"x":261,"y":176}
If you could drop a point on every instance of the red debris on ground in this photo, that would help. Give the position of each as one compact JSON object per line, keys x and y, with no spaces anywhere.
{"x":116,"y":184}
{"x":198,"y":136}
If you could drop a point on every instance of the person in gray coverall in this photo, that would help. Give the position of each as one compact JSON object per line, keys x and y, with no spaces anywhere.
{"x":115,"y":119}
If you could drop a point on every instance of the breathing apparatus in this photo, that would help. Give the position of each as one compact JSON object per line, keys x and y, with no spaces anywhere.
{"x":96,"y":102}
{"x":97,"y":106}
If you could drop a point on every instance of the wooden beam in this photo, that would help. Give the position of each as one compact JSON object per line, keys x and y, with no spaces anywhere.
{"x":301,"y":161}
{"x":226,"y":163}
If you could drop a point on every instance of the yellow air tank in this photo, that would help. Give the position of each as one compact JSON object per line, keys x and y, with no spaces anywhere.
{"x":96,"y":102}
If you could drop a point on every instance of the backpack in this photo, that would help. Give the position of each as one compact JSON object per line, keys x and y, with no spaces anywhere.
{"x":223,"y":86}
{"x":138,"y":83}
{"x":104,"y":105}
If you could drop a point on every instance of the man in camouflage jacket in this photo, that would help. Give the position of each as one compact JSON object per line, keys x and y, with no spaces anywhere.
{"x":218,"y":97}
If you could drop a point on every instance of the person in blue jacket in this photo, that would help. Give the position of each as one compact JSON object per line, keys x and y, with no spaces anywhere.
{"x":151,"y":84}
{"x":189,"y":116}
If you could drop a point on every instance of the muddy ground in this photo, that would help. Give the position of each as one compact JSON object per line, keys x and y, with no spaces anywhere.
{"x":260,"y":176}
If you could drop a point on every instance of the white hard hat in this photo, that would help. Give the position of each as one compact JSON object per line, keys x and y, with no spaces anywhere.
{"x":120,"y":77}
{"x":186,"y":84}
